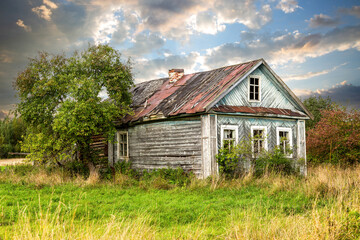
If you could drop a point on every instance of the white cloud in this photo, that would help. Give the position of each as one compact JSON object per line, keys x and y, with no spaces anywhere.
{"x":21,"y":24}
{"x":145,"y":70}
{"x":282,"y":49}
{"x":206,"y":22}
{"x":50,"y":4}
{"x":288,"y":6}
{"x":311,"y":74}
{"x":105,"y":25}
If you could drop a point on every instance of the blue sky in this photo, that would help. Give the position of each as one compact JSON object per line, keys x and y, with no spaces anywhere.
{"x":312,"y":45}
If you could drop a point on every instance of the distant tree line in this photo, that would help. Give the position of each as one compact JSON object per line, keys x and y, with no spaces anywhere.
{"x":11,"y":132}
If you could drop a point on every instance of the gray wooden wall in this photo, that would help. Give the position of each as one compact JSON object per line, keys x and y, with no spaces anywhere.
{"x":170,"y":143}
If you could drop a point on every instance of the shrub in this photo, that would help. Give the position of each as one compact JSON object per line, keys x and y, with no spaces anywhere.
{"x":335,"y":138}
{"x":232,"y":162}
{"x":273,"y":161}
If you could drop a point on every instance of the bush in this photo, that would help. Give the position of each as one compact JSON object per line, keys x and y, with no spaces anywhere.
{"x":231,"y":162}
{"x":335,"y":138}
{"x":273,"y":161}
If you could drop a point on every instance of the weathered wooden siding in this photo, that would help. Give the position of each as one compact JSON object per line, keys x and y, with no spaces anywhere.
{"x":209,"y":145}
{"x":175,"y":143}
{"x":273,"y":95}
{"x":244,"y":130}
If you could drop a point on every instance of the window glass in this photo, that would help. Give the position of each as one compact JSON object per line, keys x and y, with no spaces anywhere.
{"x":254,"y":89}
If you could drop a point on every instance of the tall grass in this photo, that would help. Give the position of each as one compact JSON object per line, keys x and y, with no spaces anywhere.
{"x":333,"y":211}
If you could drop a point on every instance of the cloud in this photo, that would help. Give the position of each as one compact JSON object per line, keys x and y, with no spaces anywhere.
{"x":281,"y":49}
{"x":44,"y":11}
{"x":145,"y":43}
{"x":322,"y":20}
{"x":342,"y":93}
{"x":288,"y":6}
{"x":355,"y":11}
{"x":311,"y":74}
{"x":145,"y":70}
{"x":20,"y":23}
{"x":206,"y":22}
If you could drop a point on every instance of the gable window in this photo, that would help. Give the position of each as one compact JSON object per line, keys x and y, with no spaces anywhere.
{"x":229,"y":135}
{"x":254,"y":88}
{"x":122,"y":145}
{"x":284,"y":140}
{"x":258,"y":140}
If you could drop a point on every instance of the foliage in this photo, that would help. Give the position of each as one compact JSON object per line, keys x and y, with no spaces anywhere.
{"x":231,"y":162}
{"x":60,"y":100}
{"x":315,"y":105}
{"x":11,"y":132}
{"x":335,"y":138}
{"x":273,"y":161}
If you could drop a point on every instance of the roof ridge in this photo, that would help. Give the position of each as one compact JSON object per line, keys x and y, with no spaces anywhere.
{"x":215,"y":69}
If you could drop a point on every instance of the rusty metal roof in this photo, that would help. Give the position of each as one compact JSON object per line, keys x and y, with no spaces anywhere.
{"x":191,"y":94}
{"x":257,"y":110}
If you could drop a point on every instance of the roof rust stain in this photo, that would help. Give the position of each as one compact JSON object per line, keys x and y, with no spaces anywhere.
{"x":190,"y":94}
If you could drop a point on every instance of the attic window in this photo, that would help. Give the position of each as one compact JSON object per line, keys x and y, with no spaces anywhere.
{"x":254,"y":88}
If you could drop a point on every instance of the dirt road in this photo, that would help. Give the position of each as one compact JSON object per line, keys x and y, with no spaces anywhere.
{"x":12,"y":161}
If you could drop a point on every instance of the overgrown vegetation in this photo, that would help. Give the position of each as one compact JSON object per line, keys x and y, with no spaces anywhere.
{"x":239,"y":160}
{"x":333,"y":136}
{"x":43,"y":203}
{"x":11,"y":132}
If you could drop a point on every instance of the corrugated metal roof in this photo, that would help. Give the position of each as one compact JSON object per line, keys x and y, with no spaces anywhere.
{"x":190,"y":94}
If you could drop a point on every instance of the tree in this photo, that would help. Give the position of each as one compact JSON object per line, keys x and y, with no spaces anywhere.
{"x":335,"y":138}
{"x":11,"y":132}
{"x":315,"y":105}
{"x":60,"y":100}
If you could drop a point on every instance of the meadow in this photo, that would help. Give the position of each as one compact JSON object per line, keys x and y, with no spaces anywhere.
{"x":38,"y":203}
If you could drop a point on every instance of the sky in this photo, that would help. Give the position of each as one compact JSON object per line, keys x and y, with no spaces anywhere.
{"x":314,"y":46}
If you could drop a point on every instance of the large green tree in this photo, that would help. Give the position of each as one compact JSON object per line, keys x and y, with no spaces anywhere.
{"x":62,"y":101}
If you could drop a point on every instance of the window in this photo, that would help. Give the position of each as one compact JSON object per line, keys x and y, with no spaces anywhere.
{"x":258,"y":137}
{"x":122,"y":144}
{"x":284,"y":140}
{"x":254,"y":88}
{"x":229,"y":135}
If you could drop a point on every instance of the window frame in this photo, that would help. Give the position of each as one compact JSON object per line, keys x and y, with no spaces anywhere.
{"x":229,"y":127}
{"x":259,"y":93}
{"x":284,"y":129}
{"x":264,"y":128}
{"x":118,"y":143}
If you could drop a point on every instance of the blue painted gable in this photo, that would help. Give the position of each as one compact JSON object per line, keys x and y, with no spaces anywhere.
{"x":273,"y":94}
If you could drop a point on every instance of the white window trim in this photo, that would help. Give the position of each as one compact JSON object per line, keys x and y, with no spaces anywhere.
{"x":252,"y":137}
{"x":254,"y":76}
{"x":284,"y":129}
{"x":229,"y":127}
{"x":118,"y":133}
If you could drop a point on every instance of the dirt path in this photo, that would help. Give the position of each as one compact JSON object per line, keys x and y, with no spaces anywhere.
{"x":12,"y":161}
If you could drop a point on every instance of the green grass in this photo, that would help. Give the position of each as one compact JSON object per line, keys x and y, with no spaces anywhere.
{"x":325,"y":205}
{"x":168,"y":209}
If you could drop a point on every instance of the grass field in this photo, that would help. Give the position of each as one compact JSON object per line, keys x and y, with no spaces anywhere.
{"x":38,"y":204}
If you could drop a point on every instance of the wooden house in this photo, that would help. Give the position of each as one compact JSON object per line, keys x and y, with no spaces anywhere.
{"x":182,"y":120}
